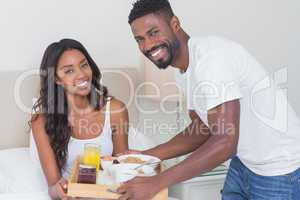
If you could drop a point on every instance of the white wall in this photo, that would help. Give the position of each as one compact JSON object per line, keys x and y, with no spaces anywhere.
{"x":27,"y":27}
{"x":268,"y":28}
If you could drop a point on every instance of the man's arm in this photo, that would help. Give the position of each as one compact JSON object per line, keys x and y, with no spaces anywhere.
{"x":221,"y":145}
{"x":185,"y":142}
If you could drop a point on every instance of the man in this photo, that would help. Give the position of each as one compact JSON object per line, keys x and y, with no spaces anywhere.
{"x":235,"y":113}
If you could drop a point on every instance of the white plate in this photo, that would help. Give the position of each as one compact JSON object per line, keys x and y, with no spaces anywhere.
{"x":140,"y":156}
{"x":126,"y":171}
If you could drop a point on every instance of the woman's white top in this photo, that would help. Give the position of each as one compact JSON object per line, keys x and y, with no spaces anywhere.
{"x":76,"y":146}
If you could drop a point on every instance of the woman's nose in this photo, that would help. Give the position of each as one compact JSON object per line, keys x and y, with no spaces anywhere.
{"x":80,"y":73}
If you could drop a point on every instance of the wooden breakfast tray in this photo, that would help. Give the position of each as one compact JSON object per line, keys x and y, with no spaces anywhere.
{"x":99,"y":191}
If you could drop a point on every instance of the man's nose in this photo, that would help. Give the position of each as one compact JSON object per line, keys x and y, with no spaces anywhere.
{"x":149,"y":44}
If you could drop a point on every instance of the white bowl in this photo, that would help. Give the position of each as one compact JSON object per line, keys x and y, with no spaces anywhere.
{"x":106,"y":164}
{"x":123,"y":172}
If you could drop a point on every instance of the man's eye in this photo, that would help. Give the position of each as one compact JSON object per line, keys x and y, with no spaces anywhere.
{"x":153,"y":33}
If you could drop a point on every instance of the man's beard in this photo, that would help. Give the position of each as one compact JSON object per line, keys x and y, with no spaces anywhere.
{"x":161,"y":63}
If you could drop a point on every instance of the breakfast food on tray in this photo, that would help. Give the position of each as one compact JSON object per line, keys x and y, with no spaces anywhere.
{"x":116,"y":161}
{"x":131,"y":159}
{"x":107,"y":162}
{"x":84,"y":181}
{"x":87,"y":174}
{"x":92,"y":154}
{"x":108,"y":158}
{"x":120,"y":169}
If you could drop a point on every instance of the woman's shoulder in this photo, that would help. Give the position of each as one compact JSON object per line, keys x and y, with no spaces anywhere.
{"x":118,"y":111}
{"x":38,"y":120}
{"x":116,"y":104}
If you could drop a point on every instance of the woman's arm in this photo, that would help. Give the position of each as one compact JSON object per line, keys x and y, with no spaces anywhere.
{"x":119,"y":124}
{"x":45,"y":151}
{"x":50,"y":168}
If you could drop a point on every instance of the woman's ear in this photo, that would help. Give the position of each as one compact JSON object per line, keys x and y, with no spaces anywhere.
{"x":175,"y":24}
{"x":57,"y":81}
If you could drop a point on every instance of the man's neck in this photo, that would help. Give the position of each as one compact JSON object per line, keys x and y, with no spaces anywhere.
{"x":182,"y":57}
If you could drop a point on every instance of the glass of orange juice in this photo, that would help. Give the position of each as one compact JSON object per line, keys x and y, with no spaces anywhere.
{"x":92,"y":153}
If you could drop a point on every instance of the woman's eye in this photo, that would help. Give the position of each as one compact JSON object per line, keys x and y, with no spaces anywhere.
{"x":138,"y":40}
{"x":85,"y":65}
{"x":69,"y":71}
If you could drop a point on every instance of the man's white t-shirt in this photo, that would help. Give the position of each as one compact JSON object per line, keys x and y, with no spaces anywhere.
{"x":220,"y":71}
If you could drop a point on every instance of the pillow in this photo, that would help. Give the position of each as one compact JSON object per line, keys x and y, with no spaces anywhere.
{"x":33,"y":153}
{"x":3,"y":181}
{"x":18,"y":174}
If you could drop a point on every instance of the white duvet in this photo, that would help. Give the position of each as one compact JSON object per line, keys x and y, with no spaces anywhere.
{"x":26,"y":196}
{"x":20,"y":178}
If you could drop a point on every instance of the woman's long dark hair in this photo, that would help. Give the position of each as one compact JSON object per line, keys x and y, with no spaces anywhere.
{"x":52,"y":102}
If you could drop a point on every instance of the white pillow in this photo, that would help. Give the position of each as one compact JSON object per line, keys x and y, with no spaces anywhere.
{"x":18,"y":174}
{"x":33,"y":153}
{"x":3,"y":181}
{"x":34,"y":156}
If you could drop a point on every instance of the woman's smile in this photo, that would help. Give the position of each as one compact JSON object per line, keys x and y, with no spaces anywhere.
{"x":82,"y":84}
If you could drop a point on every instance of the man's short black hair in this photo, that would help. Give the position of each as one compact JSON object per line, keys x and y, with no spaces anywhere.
{"x":145,"y":7}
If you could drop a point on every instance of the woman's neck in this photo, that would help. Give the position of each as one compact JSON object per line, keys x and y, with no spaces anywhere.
{"x":79,"y":105}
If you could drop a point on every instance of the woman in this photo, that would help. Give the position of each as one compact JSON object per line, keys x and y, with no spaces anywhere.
{"x":74,"y":109}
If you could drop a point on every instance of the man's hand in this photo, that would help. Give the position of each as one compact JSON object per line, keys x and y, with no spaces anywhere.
{"x":140,"y":188}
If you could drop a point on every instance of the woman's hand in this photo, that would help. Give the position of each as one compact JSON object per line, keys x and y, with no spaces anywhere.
{"x":59,"y":190}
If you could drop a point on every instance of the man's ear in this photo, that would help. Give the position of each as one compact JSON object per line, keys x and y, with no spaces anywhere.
{"x":175,"y":24}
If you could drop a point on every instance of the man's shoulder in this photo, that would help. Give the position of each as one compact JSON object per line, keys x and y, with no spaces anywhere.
{"x":210,"y":43}
{"x":215,"y":55}
{"x":213,"y":47}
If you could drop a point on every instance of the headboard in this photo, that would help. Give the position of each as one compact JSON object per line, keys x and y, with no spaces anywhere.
{"x":18,"y":88}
